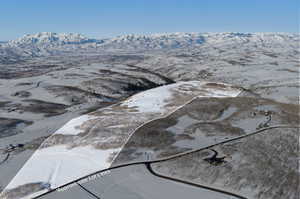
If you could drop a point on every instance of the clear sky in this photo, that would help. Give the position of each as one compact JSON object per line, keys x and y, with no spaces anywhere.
{"x":107,"y":18}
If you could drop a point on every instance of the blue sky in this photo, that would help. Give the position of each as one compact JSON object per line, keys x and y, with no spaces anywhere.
{"x":107,"y":18}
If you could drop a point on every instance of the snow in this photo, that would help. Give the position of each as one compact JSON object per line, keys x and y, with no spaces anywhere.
{"x":223,"y":93}
{"x":155,"y":100}
{"x":59,"y":164}
{"x":51,"y":38}
{"x":41,"y":44}
{"x":72,"y":127}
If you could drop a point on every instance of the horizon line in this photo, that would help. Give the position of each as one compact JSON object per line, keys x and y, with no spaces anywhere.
{"x":151,"y":34}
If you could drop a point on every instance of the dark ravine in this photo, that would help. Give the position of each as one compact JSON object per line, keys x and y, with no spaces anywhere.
{"x":168,"y":80}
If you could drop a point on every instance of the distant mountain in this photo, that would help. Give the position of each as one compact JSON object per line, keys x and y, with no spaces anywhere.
{"x":47,"y":39}
{"x":156,"y":41}
{"x":47,"y":43}
{"x":43,"y":44}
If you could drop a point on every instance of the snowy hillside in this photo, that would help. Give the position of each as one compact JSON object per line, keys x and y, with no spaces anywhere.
{"x":46,"y":43}
{"x":80,"y":148}
{"x":180,"y":40}
{"x":45,"y":39}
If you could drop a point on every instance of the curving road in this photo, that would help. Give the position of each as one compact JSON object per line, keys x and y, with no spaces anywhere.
{"x":149,"y":162}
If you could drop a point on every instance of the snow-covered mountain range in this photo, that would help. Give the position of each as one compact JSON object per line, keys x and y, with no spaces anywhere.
{"x":47,"y":39}
{"x":46,"y":43}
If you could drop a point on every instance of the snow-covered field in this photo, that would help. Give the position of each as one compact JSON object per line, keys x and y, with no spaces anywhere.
{"x":155,"y":100}
{"x":58,"y":164}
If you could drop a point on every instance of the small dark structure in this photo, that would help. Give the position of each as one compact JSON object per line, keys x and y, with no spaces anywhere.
{"x":214,"y":160}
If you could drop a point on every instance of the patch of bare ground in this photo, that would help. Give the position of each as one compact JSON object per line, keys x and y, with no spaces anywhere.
{"x":23,"y":190}
{"x":105,"y":132}
{"x":75,"y":95}
{"x":3,"y":103}
{"x":203,"y":122}
{"x":47,"y":108}
{"x":22,"y":94}
{"x":9,"y":126}
{"x":262,"y":166}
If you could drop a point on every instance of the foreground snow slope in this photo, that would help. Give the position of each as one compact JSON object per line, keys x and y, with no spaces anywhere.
{"x":91,"y":142}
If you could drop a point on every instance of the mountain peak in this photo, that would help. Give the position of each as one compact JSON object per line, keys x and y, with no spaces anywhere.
{"x":51,"y":38}
{"x":45,"y":43}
